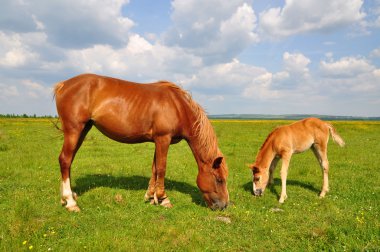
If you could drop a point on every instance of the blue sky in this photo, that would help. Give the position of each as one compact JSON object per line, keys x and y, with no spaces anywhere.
{"x":257,"y":56}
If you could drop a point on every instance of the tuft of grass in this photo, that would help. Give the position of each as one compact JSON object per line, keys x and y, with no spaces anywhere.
{"x":111,"y":178}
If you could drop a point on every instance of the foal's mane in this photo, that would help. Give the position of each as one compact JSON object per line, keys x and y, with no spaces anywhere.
{"x":268,"y":138}
{"x":202,"y":126}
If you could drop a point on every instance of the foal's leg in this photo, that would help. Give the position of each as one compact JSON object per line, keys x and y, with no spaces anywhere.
{"x":149,"y":195}
{"x":271,"y":170}
{"x":73,"y":138}
{"x":284,"y":173}
{"x":320,"y":152}
{"x":162,"y":146}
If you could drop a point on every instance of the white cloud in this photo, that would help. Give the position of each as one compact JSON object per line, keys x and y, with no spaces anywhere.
{"x":14,"y":51}
{"x":217,"y":32}
{"x":70,"y":23}
{"x":375,"y":53}
{"x":346,"y":67}
{"x":7,"y":91}
{"x":309,"y":15}
{"x":36,"y":90}
{"x":139,"y":59}
{"x":296,"y":63}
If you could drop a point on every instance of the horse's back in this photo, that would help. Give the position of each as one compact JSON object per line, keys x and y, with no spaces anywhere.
{"x":299,"y":136}
{"x":124,"y":111}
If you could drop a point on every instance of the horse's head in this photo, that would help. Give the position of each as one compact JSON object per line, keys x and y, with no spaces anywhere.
{"x":212,"y":181}
{"x":260,"y":179}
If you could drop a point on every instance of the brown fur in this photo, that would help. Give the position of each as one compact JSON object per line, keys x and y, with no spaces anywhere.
{"x":286,"y":140}
{"x":128,"y":112}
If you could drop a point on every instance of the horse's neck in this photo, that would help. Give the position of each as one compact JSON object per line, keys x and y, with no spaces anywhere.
{"x":265,"y":156}
{"x":201,"y":154}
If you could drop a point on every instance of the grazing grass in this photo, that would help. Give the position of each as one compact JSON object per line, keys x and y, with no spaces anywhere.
{"x":111,"y":178}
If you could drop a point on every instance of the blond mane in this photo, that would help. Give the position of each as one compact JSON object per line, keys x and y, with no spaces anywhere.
{"x":202,"y":127}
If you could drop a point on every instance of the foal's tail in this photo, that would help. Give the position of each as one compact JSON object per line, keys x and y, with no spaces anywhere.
{"x":335,"y":136}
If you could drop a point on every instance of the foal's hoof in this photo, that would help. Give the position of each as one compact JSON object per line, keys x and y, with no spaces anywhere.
{"x":282,"y":199}
{"x":75,"y":209}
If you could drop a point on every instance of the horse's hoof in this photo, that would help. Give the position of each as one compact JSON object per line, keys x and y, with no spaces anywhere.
{"x":148,"y":198}
{"x":282,"y":199}
{"x":166,"y":203}
{"x":155,"y":199}
{"x":75,"y":209}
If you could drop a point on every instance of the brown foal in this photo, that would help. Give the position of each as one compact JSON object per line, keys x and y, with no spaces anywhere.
{"x":283,"y":142}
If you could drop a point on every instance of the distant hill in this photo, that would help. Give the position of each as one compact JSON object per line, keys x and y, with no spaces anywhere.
{"x":291,"y":117}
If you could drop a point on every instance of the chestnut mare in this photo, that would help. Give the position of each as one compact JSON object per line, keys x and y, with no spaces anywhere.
{"x":283,"y":142}
{"x":129,"y":112}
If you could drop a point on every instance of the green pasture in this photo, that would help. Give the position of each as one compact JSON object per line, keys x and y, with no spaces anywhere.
{"x":111,"y":178}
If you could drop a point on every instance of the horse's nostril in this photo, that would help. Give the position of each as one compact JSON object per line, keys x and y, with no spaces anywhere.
{"x":258,"y":192}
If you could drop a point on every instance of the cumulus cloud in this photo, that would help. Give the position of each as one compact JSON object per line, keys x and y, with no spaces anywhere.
{"x":138,"y":60}
{"x":308,"y":16}
{"x":35,"y":89}
{"x":71,"y":23}
{"x":296,"y":62}
{"x":375,"y":53}
{"x":14,"y":51}
{"x":346,"y":67}
{"x":7,"y":91}
{"x":217,"y":34}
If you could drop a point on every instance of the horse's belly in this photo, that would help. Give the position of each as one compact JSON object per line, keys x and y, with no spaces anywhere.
{"x":123,"y":133}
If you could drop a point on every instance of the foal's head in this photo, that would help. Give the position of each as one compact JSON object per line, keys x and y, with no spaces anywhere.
{"x":212,"y":181}
{"x":260,"y":179}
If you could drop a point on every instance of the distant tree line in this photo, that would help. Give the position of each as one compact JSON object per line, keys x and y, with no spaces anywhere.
{"x":25,"y":116}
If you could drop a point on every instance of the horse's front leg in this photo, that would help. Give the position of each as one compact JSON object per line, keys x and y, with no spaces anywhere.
{"x":284,"y":174}
{"x":162,"y":144}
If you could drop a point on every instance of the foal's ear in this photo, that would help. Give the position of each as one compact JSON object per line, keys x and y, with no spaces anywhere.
{"x":217,"y":162}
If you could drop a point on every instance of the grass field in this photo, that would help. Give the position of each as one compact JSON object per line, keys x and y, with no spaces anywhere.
{"x":111,"y":178}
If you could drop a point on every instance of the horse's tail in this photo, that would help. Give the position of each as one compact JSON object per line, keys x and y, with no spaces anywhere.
{"x":335,"y":136}
{"x":57,"y":87}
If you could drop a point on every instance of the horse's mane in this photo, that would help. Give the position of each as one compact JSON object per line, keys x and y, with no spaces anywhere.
{"x":202,"y":126}
{"x":267,"y":139}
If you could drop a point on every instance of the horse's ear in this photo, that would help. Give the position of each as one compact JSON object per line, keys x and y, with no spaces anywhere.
{"x":250,"y":166}
{"x":217,"y":162}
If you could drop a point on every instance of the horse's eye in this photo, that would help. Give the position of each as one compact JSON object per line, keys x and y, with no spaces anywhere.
{"x":257,"y":179}
{"x":219,"y":180}
{"x":255,"y":170}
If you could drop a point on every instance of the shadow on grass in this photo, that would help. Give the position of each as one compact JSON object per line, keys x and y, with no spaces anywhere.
{"x":89,"y":182}
{"x":277,"y":181}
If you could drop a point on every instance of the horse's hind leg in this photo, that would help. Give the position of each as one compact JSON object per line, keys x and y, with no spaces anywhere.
{"x":320,"y":152}
{"x":162,"y":144}
{"x":271,"y":170}
{"x":149,"y":195}
{"x":73,"y":138}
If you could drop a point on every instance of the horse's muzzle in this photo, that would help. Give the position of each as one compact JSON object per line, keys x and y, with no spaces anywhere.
{"x":258,"y":192}
{"x":219,"y":205}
